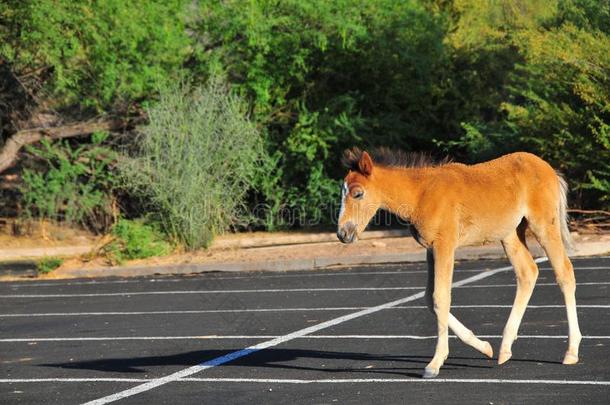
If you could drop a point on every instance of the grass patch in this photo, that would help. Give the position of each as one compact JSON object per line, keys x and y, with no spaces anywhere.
{"x":48,"y":264}
{"x":135,"y":239}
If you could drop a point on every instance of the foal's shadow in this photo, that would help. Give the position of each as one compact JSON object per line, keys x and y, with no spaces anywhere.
{"x":282,"y":359}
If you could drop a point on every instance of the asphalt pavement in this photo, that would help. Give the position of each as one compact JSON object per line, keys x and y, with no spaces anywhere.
{"x":350,"y":335}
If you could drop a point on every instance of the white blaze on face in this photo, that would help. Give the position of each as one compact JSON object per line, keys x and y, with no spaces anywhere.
{"x":344,"y":191}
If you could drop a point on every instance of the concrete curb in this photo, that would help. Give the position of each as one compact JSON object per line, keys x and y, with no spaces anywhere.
{"x":316,"y":263}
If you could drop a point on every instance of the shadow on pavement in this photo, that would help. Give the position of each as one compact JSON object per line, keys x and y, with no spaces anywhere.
{"x":22,"y":268}
{"x":278,"y":359}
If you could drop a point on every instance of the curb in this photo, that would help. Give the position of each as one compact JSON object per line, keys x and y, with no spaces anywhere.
{"x":16,"y":269}
{"x":275,"y":265}
{"x":466,"y":253}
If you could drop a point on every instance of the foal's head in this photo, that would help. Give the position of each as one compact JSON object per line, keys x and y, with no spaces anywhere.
{"x":360,"y":199}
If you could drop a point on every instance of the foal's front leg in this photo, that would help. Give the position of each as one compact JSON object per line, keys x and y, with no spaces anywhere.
{"x":443,"y":273}
{"x":462,"y":332}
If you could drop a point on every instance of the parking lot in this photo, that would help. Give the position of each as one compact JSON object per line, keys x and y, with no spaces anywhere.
{"x":355,"y":335}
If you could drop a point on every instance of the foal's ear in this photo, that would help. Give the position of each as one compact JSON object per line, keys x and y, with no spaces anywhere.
{"x":365,"y":165}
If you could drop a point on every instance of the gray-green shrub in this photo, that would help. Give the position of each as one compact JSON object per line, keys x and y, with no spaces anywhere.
{"x":197,"y":159}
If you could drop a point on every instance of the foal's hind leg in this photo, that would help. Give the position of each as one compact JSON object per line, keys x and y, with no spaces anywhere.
{"x":526,"y":272}
{"x":462,"y":332}
{"x":550,"y":239}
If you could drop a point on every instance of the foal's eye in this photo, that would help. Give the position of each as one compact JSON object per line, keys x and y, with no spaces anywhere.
{"x":358,"y":194}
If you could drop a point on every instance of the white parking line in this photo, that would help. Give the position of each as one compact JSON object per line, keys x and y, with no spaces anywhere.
{"x":118,"y":338}
{"x":257,"y":291}
{"x":222,"y":311}
{"x":400,"y":380}
{"x":318,"y":381}
{"x":254,"y":337}
{"x":322,"y":273}
{"x":537,"y":285}
{"x":202,"y":277}
{"x":66,"y":380}
{"x":271,"y":290}
{"x":577,"y":269}
{"x":279,"y":340}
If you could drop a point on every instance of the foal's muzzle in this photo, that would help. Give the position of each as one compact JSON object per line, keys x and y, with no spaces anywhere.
{"x":347,"y":233}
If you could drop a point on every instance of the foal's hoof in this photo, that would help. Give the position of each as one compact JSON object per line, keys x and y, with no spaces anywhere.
{"x":503,"y":357}
{"x":430,"y":372}
{"x":488,"y":350}
{"x":570,"y":358}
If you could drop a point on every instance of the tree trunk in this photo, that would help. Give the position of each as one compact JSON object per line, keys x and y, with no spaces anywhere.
{"x":11,"y":148}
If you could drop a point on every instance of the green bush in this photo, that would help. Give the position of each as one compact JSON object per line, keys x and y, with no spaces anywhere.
{"x":477,"y":78}
{"x":469,"y":78}
{"x":198,"y":158}
{"x":323,"y":76}
{"x":135,"y":239}
{"x":93,"y":54}
{"x":48,"y":264}
{"x":554,"y":92}
{"x":559,"y":105}
{"x":71,"y":184}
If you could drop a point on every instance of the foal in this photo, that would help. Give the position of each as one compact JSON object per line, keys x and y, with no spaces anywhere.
{"x":451,"y":205}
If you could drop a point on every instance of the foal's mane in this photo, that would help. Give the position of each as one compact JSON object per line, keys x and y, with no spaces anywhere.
{"x":387,"y":157}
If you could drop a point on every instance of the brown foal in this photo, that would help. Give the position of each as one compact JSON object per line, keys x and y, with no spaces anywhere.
{"x":451,"y":205}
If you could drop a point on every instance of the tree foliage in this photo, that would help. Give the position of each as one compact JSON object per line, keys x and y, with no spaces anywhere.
{"x":72,"y":184}
{"x":555,"y":94}
{"x":323,"y":76}
{"x":88,"y":54}
{"x":470,"y":78}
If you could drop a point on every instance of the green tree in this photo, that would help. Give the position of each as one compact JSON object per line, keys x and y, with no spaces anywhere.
{"x":471,"y":78}
{"x":71,"y":184}
{"x":323,"y":76}
{"x":84,"y":54}
{"x":549,"y":76}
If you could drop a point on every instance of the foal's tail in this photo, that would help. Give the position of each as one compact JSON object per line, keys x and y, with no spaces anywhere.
{"x":563,"y":212}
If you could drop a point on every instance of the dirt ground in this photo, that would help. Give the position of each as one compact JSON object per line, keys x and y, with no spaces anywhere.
{"x":16,"y":234}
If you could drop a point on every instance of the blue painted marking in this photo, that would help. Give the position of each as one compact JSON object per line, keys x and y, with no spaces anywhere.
{"x":228,"y":357}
